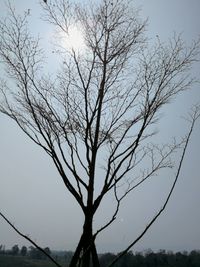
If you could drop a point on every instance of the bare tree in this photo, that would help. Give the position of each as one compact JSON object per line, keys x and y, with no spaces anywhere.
{"x":99,"y":110}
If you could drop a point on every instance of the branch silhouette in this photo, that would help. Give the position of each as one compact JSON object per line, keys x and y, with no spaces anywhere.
{"x":94,"y":117}
{"x":29,"y":239}
{"x":193,"y":117}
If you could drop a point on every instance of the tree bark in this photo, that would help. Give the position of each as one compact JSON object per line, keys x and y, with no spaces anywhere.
{"x":85,"y":254}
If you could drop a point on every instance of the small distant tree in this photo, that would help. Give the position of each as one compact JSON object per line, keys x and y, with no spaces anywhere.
{"x":35,"y":253}
{"x":32,"y":252}
{"x":15,"y":250}
{"x":47,"y":250}
{"x":23,"y":251}
{"x":95,"y":117}
{"x":2,"y":249}
{"x":106,"y":258}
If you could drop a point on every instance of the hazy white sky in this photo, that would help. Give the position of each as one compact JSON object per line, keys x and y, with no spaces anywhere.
{"x":32,"y":194}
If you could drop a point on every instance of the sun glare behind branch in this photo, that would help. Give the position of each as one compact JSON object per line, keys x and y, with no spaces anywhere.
{"x":73,"y":40}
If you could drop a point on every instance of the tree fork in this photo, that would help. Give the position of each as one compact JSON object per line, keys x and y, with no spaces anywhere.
{"x":86,"y":250}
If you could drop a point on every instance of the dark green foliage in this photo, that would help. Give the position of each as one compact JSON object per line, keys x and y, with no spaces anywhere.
{"x":106,"y":258}
{"x":15,"y":250}
{"x":23,"y":251}
{"x":34,"y":253}
{"x":2,"y":249}
{"x":148,"y":258}
{"x":151,"y":259}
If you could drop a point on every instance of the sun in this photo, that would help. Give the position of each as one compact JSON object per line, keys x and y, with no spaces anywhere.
{"x":73,"y":40}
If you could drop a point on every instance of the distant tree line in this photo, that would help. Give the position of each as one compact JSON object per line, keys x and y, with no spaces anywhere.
{"x":147,"y":258}
{"x":152,"y":259}
{"x":31,"y":252}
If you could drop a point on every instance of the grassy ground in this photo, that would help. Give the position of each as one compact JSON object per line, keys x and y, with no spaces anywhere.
{"x":15,"y":261}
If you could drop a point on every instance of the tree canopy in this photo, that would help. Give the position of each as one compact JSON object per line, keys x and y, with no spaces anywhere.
{"x":95,"y":117}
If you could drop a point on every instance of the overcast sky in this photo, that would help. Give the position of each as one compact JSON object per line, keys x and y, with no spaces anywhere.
{"x":34,"y":198}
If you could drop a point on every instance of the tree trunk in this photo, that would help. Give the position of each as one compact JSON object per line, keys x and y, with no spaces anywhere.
{"x":87,"y":242}
{"x":85,"y":254}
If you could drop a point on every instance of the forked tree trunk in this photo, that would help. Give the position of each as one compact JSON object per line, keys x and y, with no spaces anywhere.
{"x":85,"y":254}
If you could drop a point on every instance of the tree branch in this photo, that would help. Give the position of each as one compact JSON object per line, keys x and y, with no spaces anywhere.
{"x":193,"y":118}
{"x":30,"y":240}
